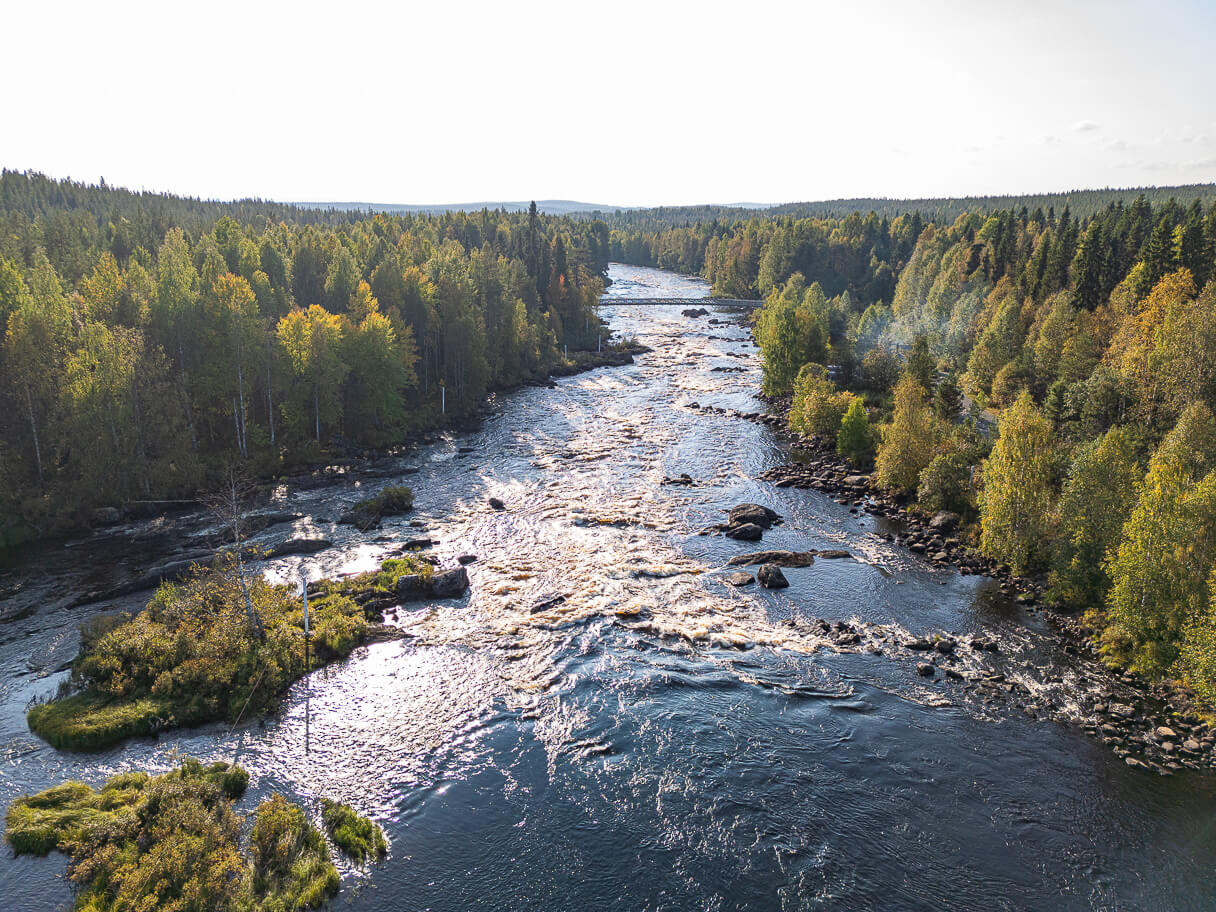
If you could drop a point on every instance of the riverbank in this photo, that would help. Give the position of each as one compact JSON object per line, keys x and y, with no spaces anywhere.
{"x":1151,"y":725}
{"x":340,"y":453}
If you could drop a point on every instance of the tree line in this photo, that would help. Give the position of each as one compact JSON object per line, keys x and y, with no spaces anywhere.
{"x":141,"y":355}
{"x":943,"y":210}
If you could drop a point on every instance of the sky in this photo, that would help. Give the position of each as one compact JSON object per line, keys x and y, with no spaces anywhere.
{"x":623,"y":104}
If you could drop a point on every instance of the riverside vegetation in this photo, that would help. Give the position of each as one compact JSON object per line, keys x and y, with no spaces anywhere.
{"x":1049,"y":380}
{"x":150,"y":341}
{"x":175,"y":842}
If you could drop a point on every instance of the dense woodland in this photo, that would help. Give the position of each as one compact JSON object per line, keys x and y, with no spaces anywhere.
{"x":150,"y":341}
{"x":1052,"y":379}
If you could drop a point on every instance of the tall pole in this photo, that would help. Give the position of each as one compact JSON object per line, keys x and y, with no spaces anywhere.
{"x":307,"y":685}
{"x":304,"y":589}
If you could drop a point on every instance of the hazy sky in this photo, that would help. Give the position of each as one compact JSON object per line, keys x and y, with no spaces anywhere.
{"x":621,"y":103}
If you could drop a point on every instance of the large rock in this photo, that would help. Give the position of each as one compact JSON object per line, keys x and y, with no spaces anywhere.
{"x":450,"y":583}
{"x":771,"y":577}
{"x":299,"y":546}
{"x":755,"y":514}
{"x":945,"y":521}
{"x":441,"y":584}
{"x":745,"y":532}
{"x":782,"y":558}
{"x":740,"y":579}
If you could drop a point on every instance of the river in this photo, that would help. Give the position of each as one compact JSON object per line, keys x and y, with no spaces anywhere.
{"x":655,"y":740}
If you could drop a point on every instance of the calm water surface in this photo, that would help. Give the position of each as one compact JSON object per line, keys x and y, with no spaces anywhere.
{"x":656,"y":740}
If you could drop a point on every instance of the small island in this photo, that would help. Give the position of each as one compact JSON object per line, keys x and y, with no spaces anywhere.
{"x":220,"y":645}
{"x":176,"y":841}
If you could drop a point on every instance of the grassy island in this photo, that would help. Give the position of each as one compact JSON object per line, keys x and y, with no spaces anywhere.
{"x":175,"y":841}
{"x":194,"y":654}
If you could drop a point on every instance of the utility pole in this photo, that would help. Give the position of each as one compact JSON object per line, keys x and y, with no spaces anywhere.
{"x":307,"y":684}
{"x":304,"y":591}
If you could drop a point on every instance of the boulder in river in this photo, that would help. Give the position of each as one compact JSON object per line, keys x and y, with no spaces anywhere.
{"x":107,"y":516}
{"x":440,"y":584}
{"x":755,"y":514}
{"x":496,"y":504}
{"x":771,"y":577}
{"x":450,"y":583}
{"x":779,"y":558}
{"x":740,"y":579}
{"x":298,"y":546}
{"x":925,"y":670}
{"x":745,"y":532}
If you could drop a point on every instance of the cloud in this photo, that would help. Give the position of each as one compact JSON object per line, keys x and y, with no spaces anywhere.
{"x":1204,"y":163}
{"x":1050,"y":140}
{"x":1118,"y":145}
{"x":1085,"y":126}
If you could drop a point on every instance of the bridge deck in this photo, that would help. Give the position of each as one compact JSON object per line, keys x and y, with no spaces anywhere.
{"x":683,"y":302}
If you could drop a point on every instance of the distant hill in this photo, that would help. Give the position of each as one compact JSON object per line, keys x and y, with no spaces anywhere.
{"x":549,"y":207}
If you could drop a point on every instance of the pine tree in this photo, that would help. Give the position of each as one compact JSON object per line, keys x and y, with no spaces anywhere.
{"x":948,"y":399}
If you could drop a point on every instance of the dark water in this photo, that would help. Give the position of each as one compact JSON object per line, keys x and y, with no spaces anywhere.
{"x":656,"y":741}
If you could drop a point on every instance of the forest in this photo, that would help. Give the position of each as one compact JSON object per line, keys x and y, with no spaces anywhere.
{"x":1049,"y":378}
{"x":152,"y":341}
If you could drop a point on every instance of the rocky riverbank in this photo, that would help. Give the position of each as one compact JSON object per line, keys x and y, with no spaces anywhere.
{"x":1154,"y":726}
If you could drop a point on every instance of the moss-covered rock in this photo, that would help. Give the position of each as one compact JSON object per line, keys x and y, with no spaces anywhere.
{"x":367,"y":514}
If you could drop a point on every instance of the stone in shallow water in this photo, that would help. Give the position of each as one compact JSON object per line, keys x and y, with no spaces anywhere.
{"x":745,"y":532}
{"x":753,"y":513}
{"x":740,"y":579}
{"x":771,"y":577}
